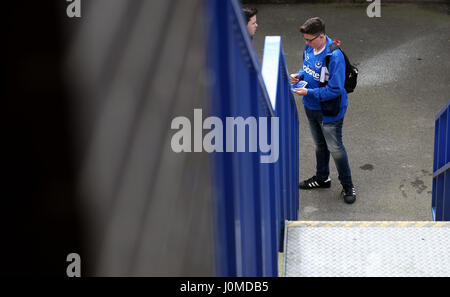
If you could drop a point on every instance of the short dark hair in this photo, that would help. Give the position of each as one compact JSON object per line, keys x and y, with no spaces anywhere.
{"x":313,"y":26}
{"x":249,"y":12}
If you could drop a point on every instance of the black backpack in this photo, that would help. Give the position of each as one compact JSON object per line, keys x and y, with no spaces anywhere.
{"x":351,"y":72}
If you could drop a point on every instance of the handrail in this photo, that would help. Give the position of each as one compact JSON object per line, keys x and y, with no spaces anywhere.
{"x":441,"y":166}
{"x":255,"y":191}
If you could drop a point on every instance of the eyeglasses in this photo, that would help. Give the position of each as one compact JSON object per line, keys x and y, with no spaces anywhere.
{"x":310,"y":40}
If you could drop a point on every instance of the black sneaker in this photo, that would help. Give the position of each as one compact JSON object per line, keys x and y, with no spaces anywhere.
{"x":314,"y":183}
{"x":349,"y":193}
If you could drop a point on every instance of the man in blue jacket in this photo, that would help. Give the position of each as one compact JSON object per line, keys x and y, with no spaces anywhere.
{"x":325,"y":101}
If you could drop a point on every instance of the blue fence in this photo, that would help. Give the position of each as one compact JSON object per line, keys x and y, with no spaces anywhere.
{"x":441,"y":166}
{"x":255,"y":190}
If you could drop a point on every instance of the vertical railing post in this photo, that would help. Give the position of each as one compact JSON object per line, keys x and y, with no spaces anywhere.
{"x":276,"y":78}
{"x":441,"y":166}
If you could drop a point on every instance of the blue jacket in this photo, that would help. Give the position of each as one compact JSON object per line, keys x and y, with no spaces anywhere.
{"x":314,"y":72}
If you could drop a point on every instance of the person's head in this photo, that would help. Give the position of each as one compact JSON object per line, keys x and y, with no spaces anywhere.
{"x":313,"y":31}
{"x":250,"y":16}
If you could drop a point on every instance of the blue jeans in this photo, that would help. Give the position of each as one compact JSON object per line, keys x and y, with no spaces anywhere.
{"x":328,"y":139}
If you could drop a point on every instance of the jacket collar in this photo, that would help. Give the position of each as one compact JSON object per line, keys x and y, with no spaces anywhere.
{"x":327,"y":47}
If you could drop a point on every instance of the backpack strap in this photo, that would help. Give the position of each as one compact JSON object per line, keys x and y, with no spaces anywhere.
{"x":334,"y":46}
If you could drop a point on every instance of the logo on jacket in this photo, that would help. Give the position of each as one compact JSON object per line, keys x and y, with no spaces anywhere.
{"x":318,"y":64}
{"x":311,"y":72}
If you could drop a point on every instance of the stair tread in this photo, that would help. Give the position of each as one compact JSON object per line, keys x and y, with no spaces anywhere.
{"x":384,"y":248}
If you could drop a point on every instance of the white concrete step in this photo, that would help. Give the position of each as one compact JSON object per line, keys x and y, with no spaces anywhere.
{"x":358,"y":249}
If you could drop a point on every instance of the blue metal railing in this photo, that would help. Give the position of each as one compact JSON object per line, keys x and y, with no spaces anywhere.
{"x":253,"y":193}
{"x":286,"y":109}
{"x":441,"y":166}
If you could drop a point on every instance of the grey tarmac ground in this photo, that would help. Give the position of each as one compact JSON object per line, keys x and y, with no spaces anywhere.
{"x":404,"y":80}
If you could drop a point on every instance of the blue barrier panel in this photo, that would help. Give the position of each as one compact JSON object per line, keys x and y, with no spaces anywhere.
{"x":441,"y":166}
{"x":254,"y":187}
{"x":275,"y":74}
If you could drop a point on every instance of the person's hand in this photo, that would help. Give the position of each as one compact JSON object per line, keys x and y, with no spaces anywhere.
{"x":295,"y":78}
{"x":301,"y":91}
